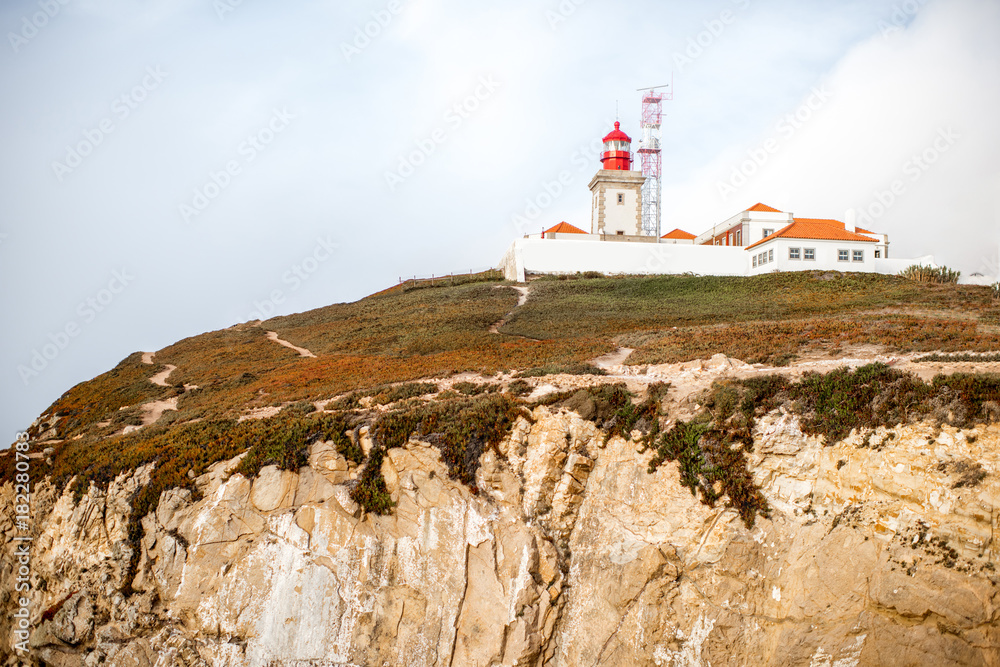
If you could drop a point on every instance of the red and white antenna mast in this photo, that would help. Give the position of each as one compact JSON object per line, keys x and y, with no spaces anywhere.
{"x":651,"y":155}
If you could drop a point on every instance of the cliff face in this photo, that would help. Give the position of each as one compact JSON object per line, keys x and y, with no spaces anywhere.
{"x":571,"y":553}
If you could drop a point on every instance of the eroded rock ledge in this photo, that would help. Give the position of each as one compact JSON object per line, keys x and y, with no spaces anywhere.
{"x":572,"y":553}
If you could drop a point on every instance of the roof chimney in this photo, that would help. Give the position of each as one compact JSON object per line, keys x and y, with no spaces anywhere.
{"x":850,"y":220}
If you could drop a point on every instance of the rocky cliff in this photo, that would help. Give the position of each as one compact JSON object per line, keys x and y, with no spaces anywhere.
{"x":878,"y":549}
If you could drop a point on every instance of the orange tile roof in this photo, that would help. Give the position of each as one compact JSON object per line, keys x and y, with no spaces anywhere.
{"x":679,"y":234}
{"x":814,"y":228}
{"x":564,"y":228}
{"x":838,"y":223}
{"x":763,"y":208}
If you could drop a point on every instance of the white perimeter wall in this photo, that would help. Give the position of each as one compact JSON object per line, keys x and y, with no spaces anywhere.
{"x":571,"y":256}
{"x":559,"y":256}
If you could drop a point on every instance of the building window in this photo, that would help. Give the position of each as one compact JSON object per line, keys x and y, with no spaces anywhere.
{"x":620,"y":233}
{"x":739,"y":237}
{"x":770,"y":255}
{"x":859,"y":256}
{"x":768,"y":232}
{"x":878,"y":254}
{"x":794,"y":253}
{"x":621,"y":198}
{"x":755,"y":261}
{"x":843,"y":255}
{"x":809,"y":253}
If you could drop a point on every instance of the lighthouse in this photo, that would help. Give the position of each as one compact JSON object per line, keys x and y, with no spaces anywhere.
{"x":617,"y":190}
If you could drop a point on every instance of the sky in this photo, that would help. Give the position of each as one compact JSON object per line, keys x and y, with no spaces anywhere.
{"x":171,"y":167}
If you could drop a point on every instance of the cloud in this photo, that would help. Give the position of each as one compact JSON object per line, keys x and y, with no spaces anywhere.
{"x":910,"y":109}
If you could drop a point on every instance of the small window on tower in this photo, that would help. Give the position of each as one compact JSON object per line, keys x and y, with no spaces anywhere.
{"x":621,"y":198}
{"x":621,"y":233}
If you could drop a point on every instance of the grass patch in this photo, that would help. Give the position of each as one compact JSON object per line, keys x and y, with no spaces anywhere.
{"x":615,"y":306}
{"x":776,"y":343}
{"x":973,"y":358}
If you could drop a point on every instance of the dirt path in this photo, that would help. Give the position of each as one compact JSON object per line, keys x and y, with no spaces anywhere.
{"x":303,"y":352}
{"x":155,"y":409}
{"x":521,"y":300}
{"x":161,"y":377}
{"x":612,"y":359}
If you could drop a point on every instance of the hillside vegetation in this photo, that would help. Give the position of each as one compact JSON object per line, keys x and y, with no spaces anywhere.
{"x":402,"y":336}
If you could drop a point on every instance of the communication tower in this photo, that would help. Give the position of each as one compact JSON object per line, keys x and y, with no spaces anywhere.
{"x":651,"y":156}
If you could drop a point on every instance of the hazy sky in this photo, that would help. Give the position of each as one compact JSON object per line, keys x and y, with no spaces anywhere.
{"x":176,"y":166}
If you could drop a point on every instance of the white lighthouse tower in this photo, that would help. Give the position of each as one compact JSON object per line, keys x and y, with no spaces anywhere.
{"x":617,"y":190}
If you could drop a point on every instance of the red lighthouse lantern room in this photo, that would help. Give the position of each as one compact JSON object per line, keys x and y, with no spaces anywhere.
{"x":617,"y":150}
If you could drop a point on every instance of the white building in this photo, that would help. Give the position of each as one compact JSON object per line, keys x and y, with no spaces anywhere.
{"x":806,"y":243}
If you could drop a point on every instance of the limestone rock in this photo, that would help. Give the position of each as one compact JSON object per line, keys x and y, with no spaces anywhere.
{"x":74,"y":622}
{"x":570,"y":553}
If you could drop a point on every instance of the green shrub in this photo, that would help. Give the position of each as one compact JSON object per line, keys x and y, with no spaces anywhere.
{"x":627,"y":416}
{"x":928,"y":274}
{"x":371,"y":492}
{"x":865,"y":398}
{"x":462,"y":429}
{"x":519,"y":388}
{"x":965,"y":358}
{"x":712,"y":464}
{"x":299,"y":408}
{"x":710,"y":450}
{"x":559,"y":369}
{"x":474,"y":389}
